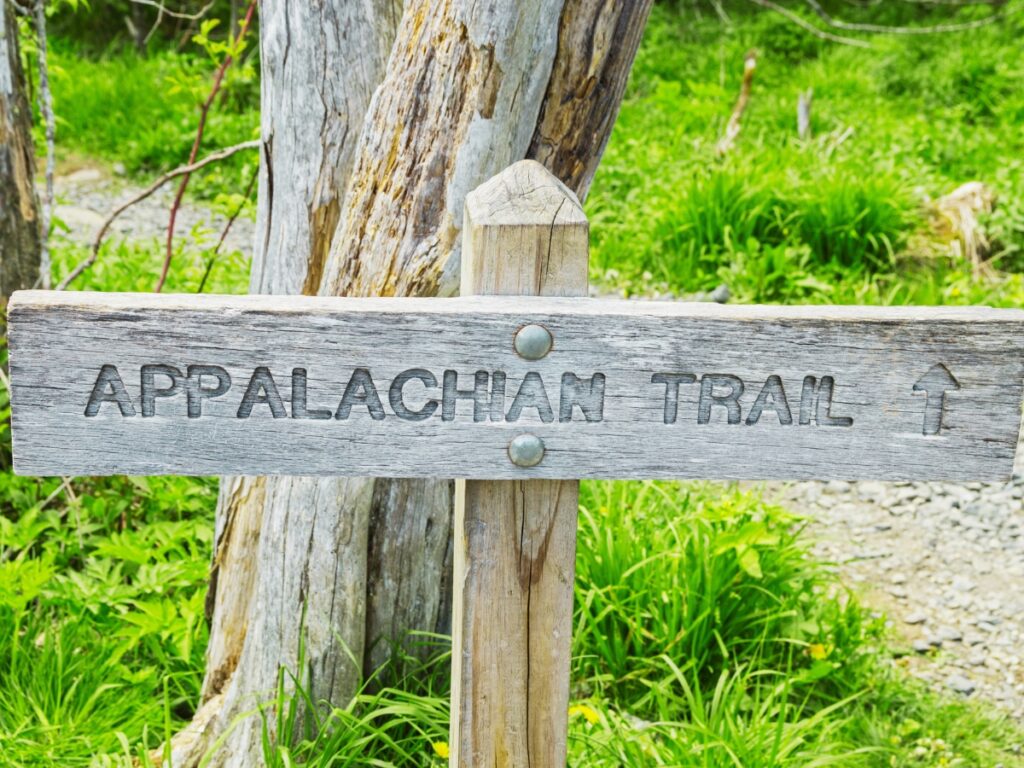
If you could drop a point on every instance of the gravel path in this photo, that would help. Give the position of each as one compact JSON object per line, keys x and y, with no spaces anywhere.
{"x":945,"y":562}
{"x":87,"y":196}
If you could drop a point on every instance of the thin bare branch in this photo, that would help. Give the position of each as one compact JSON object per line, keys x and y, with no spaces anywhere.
{"x":720,"y":12}
{"x":156,"y":25}
{"x":204,"y":112}
{"x":835,"y":23}
{"x":804,"y":24}
{"x":46,"y":110}
{"x":163,"y":10}
{"x":732,"y":128}
{"x":179,"y":171}
{"x":227,"y":228}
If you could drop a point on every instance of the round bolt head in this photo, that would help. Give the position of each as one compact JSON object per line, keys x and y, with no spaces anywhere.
{"x":533,"y":342}
{"x":526,"y":450}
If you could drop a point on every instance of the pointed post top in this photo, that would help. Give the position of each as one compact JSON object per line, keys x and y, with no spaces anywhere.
{"x":524,"y":234}
{"x":525,"y":194}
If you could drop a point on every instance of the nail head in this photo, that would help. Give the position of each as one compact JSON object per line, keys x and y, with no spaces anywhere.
{"x":526,"y":450}
{"x":533,"y":342}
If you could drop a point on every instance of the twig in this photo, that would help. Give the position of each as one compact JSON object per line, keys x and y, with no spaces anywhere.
{"x":46,"y":109}
{"x":162,"y":9}
{"x":804,"y":24}
{"x":838,"y":138}
{"x":803,"y":113}
{"x":156,"y":25}
{"x":203,"y":113}
{"x":179,"y":171}
{"x":227,"y":228}
{"x":732,"y":128}
{"x":887,"y":30}
{"x":720,"y":12}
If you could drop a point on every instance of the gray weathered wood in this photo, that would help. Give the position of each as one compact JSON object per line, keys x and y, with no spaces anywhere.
{"x":515,"y":540}
{"x":467,"y":85}
{"x":19,"y":215}
{"x":320,"y":64}
{"x":875,"y":356}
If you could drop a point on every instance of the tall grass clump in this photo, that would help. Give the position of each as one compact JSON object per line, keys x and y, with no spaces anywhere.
{"x":399,"y":718}
{"x":696,"y":580}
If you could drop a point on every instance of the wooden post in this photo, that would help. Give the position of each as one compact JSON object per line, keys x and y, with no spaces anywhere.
{"x":515,"y":540}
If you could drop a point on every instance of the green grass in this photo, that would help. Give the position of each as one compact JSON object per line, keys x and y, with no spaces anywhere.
{"x":705,"y":634}
{"x":839,"y":218}
{"x":705,"y":637}
{"x":143,"y":113}
{"x":101,"y":612}
{"x":135,"y":265}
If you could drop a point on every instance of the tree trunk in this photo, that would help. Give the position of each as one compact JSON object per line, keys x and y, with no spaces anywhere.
{"x":19,"y":219}
{"x":469,"y":88}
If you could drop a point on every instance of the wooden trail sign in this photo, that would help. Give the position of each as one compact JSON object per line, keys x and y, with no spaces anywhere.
{"x":523,"y":386}
{"x":148,"y":384}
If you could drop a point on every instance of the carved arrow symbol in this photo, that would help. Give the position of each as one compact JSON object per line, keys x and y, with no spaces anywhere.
{"x":935,"y":384}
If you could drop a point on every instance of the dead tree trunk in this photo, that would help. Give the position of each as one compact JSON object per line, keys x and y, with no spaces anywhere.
{"x":469,"y":87}
{"x":19,"y":219}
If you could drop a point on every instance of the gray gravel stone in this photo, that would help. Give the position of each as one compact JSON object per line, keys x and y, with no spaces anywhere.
{"x":960,"y":684}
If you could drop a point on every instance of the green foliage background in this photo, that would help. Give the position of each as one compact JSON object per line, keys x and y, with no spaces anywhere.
{"x":705,"y":633}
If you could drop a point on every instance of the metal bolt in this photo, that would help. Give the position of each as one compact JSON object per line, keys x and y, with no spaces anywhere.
{"x":533,"y":342}
{"x":526,"y":450}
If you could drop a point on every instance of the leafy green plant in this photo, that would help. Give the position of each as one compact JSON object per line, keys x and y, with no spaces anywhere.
{"x":709,"y":579}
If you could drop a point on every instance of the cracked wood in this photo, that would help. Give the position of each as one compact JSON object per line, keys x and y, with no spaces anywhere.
{"x":105,"y":383}
{"x":515,"y":540}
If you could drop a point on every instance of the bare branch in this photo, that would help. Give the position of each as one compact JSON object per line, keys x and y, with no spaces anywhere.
{"x":804,"y":24}
{"x":720,"y":12}
{"x":204,"y":111}
{"x":46,"y":110}
{"x":179,"y":171}
{"x":732,"y":128}
{"x":227,"y":228}
{"x":163,"y":10}
{"x":887,"y":30}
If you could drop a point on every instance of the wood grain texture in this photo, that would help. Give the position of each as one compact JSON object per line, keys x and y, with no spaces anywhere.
{"x":515,"y":540}
{"x":465,"y":84}
{"x":19,"y":220}
{"x":321,"y":63}
{"x":597,"y":42}
{"x":459,"y":103}
{"x":59,"y":343}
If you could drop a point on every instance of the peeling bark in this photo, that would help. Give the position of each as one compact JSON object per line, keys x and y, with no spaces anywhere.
{"x":321,"y":63}
{"x":19,"y":220}
{"x":597,"y":42}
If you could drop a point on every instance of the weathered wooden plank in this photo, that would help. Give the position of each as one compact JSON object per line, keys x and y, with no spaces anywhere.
{"x":853,"y":380}
{"x":515,"y":540}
